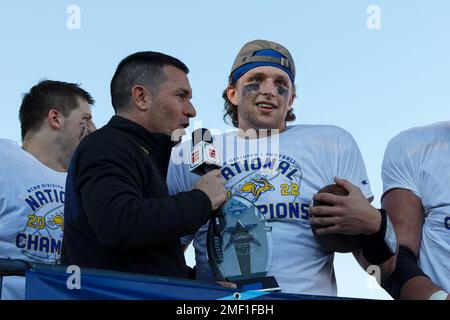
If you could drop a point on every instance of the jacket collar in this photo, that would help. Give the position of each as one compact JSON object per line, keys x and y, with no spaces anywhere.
{"x":158,"y":144}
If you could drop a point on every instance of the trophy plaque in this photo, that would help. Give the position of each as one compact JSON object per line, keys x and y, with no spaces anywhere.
{"x":239,"y":246}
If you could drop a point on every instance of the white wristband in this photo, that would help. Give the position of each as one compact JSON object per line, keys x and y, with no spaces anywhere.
{"x":439,"y":295}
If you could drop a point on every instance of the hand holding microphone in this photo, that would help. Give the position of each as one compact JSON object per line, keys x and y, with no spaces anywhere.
{"x":205,"y":161}
{"x":212,"y":184}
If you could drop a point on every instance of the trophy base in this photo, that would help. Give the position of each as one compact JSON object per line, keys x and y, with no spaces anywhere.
{"x":260,"y":284}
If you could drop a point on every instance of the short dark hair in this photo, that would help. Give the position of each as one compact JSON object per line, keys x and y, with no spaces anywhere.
{"x":230,"y":110}
{"x":144,"y":68}
{"x":46,"y":95}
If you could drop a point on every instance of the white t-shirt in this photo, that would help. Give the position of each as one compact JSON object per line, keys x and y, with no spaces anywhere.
{"x":418,"y":160}
{"x":296,"y":164}
{"x":31,"y":212}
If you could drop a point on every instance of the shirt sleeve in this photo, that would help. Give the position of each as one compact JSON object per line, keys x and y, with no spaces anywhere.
{"x":179,"y":177}
{"x":110,"y":182}
{"x":398,"y":170}
{"x":351,"y":165}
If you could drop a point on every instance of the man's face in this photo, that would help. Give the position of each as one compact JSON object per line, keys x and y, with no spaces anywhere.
{"x":171,"y":105}
{"x":263,"y":97}
{"x":77,"y":125}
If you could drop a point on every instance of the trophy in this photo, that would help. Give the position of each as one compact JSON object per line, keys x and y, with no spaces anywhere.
{"x":238,"y":239}
{"x":239,"y":246}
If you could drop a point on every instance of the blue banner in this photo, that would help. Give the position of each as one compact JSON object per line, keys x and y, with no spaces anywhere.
{"x":54,"y":283}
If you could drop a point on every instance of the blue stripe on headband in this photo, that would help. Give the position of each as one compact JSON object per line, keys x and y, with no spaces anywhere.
{"x":239,"y":72}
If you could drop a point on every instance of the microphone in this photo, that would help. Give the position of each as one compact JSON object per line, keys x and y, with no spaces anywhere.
{"x":204,"y":157}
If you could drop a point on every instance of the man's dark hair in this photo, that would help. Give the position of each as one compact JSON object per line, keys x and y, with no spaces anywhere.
{"x":46,"y":95}
{"x":143,"y":68}
{"x":231,"y":113}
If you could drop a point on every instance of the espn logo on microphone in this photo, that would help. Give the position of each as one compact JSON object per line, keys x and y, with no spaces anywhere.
{"x":211,"y":154}
{"x":202,"y":155}
{"x":196,"y":155}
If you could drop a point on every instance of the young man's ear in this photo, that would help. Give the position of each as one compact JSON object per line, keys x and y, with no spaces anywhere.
{"x":54,"y":118}
{"x":292,"y":98}
{"x":232,"y":95}
{"x":140,"y":97}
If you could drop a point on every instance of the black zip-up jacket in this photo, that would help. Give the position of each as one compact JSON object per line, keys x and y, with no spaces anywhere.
{"x":118,"y":214}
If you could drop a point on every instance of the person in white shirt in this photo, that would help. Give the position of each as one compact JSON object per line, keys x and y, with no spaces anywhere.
{"x":54,"y":117}
{"x":415,"y":173}
{"x":283,"y":181}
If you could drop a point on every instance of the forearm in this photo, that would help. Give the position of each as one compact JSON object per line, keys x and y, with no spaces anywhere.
{"x":380,"y":247}
{"x":128,"y":206}
{"x":134,"y":222}
{"x":418,"y":288}
{"x":408,"y":281}
{"x":386,"y":268}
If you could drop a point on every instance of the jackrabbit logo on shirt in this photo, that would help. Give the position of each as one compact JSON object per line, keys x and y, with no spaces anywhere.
{"x":257,"y":187}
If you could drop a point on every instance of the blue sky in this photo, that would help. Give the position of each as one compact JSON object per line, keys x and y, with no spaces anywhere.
{"x":374,"y":83}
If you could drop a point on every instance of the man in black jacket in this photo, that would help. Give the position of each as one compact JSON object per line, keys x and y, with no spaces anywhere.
{"x":118,"y":213}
